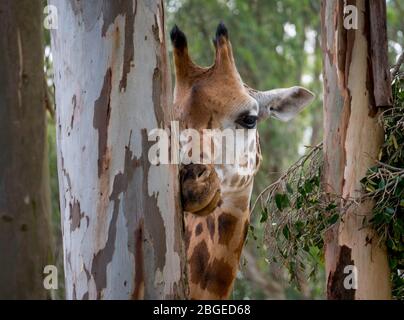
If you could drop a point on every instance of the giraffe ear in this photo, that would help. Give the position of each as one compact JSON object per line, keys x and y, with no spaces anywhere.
{"x":283,"y":104}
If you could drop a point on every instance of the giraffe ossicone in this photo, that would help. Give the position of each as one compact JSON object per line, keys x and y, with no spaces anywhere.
{"x":216,"y":196}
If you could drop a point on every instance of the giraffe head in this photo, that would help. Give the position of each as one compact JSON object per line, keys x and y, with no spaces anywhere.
{"x":216,"y":196}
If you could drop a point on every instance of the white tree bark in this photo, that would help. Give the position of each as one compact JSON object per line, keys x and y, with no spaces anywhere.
{"x":121,"y":223}
{"x":356,"y":86}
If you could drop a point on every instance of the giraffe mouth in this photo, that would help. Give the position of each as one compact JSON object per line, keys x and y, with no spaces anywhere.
{"x":200,"y":189}
{"x":209,"y":207}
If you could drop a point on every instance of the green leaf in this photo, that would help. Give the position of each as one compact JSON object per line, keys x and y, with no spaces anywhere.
{"x":286,"y":232}
{"x":264,"y":215}
{"x":278,"y":201}
{"x":308,"y":186}
{"x":299,"y":225}
{"x":302,"y":191}
{"x":282,"y":201}
{"x":314,"y":251}
{"x":381,"y":184}
{"x":299,"y":202}
{"x":285,"y":201}
{"x":378,"y":218}
{"x":331,"y":206}
{"x":333,"y":219}
{"x":370,"y":188}
{"x":393,"y":138}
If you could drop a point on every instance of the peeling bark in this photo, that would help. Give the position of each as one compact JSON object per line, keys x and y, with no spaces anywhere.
{"x":355,"y":88}
{"x":335,"y":285}
{"x":378,"y":53}
{"x":112,"y":87}
{"x":25,"y":210}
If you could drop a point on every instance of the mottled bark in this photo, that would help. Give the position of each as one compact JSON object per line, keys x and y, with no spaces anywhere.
{"x":353,"y":96}
{"x":25,"y":236}
{"x":121,"y":223}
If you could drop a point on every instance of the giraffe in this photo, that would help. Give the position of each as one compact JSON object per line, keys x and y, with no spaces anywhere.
{"x":215,"y":197}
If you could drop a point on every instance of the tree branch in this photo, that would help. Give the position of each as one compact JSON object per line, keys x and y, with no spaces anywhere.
{"x":396,"y":67}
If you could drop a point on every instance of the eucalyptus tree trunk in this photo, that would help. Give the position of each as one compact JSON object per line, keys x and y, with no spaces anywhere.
{"x":121,"y":222}
{"x":25,"y":235}
{"x":356,"y":87}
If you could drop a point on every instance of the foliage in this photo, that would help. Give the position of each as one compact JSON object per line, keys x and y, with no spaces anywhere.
{"x":296,"y":215}
{"x":301,"y":212}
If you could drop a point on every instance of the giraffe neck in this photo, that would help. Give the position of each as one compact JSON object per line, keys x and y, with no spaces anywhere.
{"x":214,"y":245}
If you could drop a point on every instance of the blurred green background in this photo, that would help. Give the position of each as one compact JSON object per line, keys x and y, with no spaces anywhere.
{"x":276,"y":44}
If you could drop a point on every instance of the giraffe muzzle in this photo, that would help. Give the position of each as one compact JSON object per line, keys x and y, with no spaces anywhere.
{"x":200,"y":188}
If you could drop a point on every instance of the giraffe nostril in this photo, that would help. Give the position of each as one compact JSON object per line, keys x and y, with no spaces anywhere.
{"x":193,"y":171}
{"x":201,"y":171}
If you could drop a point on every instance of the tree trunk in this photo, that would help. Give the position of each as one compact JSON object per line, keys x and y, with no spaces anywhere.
{"x":122,"y":227}
{"x":25,"y":234}
{"x":356,"y":86}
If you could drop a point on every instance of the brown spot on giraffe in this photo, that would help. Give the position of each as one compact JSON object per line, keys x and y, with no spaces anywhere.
{"x":218,"y":194}
{"x":218,"y":278}
{"x":198,"y":229}
{"x":215,"y":277}
{"x":227,"y":224}
{"x":199,"y":262}
{"x":211,"y":225}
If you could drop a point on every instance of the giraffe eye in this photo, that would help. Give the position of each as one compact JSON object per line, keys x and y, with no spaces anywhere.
{"x":247,"y":121}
